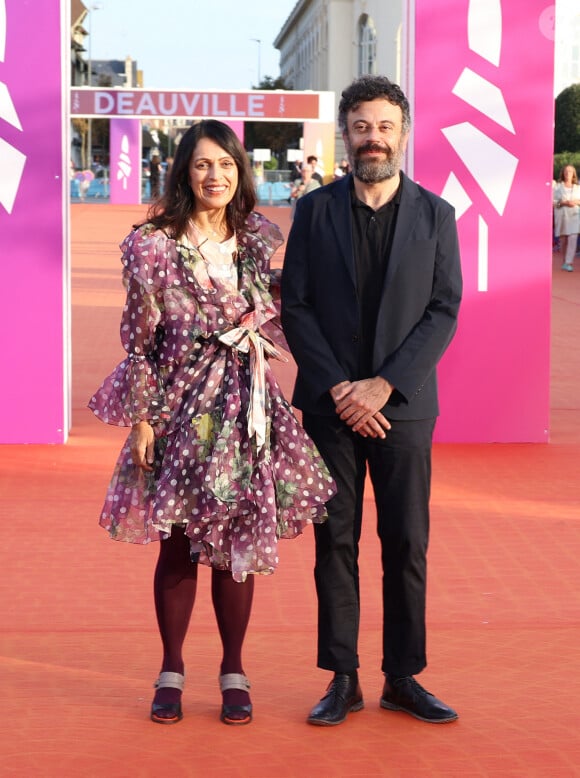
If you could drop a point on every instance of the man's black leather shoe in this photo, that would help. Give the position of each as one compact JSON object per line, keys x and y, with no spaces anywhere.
{"x":407,"y":695}
{"x":343,"y":696}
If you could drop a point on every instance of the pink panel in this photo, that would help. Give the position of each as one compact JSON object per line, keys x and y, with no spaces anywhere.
{"x":319,"y":139}
{"x":125,"y":161}
{"x":237,"y":126}
{"x":33,"y":390}
{"x":483,"y":139}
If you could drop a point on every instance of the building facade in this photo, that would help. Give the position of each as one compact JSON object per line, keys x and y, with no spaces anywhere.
{"x":324,"y":44}
{"x":79,"y":68}
{"x":567,"y":45}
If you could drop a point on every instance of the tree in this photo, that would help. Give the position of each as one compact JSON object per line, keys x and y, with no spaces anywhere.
{"x":272,"y":83}
{"x":567,"y":120}
{"x":100,"y":139}
{"x":563,"y":159}
{"x":276,"y":136}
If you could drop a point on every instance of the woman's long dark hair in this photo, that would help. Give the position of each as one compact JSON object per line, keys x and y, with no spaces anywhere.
{"x":174,"y":208}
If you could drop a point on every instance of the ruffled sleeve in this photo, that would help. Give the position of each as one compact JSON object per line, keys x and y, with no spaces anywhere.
{"x":134,"y":390}
{"x":261,"y":237}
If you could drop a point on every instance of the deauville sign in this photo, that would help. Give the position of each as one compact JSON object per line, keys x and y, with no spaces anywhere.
{"x":277,"y":105}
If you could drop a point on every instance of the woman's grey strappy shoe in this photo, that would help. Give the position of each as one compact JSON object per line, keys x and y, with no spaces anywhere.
{"x":235,"y":714}
{"x":169,"y":712}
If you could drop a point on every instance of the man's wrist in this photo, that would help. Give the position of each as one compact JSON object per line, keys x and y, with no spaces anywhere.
{"x":337,"y":387}
{"x":387,"y":384}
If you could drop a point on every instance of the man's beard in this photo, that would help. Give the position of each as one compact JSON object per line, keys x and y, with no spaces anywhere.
{"x":373,"y":171}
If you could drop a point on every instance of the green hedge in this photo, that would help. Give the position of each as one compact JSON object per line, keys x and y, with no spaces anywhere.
{"x":566,"y":158}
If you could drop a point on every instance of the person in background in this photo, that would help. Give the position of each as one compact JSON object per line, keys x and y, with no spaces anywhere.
{"x":295,"y":179}
{"x":306,"y":184}
{"x":555,"y":219}
{"x":166,"y":171}
{"x":155,"y":178}
{"x":258,"y":173}
{"x":371,"y":288}
{"x":216,"y":466}
{"x":296,"y":171}
{"x":316,"y":170}
{"x":567,"y":215}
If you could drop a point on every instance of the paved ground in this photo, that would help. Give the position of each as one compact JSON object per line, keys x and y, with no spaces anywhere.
{"x":79,"y":649}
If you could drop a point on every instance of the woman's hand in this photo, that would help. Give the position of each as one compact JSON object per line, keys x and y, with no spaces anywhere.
{"x":142,"y":442}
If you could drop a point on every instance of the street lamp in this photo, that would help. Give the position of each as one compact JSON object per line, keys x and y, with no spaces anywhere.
{"x":259,"y":42}
{"x":92,"y":7}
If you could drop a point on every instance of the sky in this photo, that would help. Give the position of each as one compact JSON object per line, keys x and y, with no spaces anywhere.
{"x":190,"y":44}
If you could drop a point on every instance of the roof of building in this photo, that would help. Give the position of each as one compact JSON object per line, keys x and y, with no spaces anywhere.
{"x":78,"y":11}
{"x":294,"y":13}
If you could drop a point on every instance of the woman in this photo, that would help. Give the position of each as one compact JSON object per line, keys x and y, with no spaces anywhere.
{"x":216,"y":465}
{"x":567,"y":214}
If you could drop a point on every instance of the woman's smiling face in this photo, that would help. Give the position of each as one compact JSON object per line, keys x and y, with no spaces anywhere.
{"x":213,"y":176}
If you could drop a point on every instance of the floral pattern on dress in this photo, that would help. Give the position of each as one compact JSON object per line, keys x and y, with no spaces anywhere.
{"x":235,"y":497}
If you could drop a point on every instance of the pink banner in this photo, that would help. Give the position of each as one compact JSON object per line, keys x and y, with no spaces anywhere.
{"x":279,"y":105}
{"x":34,"y":401}
{"x":125,"y":161}
{"x":483,"y":77}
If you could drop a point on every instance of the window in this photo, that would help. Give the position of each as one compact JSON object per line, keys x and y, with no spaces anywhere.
{"x":367,"y":46}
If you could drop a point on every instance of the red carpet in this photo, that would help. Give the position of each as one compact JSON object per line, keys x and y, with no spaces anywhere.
{"x":79,"y":649}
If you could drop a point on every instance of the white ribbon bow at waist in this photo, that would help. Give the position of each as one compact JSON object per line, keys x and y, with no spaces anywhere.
{"x":246,"y":340}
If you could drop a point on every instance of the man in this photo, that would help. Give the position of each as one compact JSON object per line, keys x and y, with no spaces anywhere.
{"x":371,"y":287}
{"x":306,"y":184}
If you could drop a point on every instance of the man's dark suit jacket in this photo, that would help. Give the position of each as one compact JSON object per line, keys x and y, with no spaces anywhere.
{"x":417,"y":315}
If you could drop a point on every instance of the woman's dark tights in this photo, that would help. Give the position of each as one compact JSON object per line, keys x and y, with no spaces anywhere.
{"x":175,"y":586}
{"x":232,"y":603}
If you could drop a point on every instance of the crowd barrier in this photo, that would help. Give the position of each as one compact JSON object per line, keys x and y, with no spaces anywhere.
{"x":269,"y":193}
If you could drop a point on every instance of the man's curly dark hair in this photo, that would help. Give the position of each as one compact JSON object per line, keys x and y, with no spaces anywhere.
{"x":367,"y":88}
